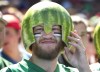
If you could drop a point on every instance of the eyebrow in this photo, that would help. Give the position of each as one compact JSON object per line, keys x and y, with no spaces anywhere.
{"x":39,"y":26}
{"x":34,"y":28}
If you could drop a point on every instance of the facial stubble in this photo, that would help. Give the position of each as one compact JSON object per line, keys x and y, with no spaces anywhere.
{"x":52,"y":54}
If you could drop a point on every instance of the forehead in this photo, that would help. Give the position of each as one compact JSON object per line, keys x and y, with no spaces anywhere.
{"x":81,"y":26}
{"x":10,"y":29}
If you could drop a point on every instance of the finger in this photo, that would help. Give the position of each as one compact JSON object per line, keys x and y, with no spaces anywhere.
{"x":74,"y":44}
{"x":74,"y":39}
{"x":77,"y":46}
{"x":75,"y":35}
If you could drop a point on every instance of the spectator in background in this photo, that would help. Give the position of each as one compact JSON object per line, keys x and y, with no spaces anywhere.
{"x":95,"y":66}
{"x":10,"y":50}
{"x":3,"y":62}
{"x":80,"y":25}
{"x":91,"y":51}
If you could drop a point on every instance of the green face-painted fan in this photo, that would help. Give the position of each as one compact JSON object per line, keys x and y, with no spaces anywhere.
{"x":46,"y":13}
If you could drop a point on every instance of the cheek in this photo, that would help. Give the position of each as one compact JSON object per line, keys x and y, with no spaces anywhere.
{"x":2,"y":36}
{"x":15,"y":38}
{"x":84,"y":40}
{"x":37,"y":39}
{"x":58,"y":39}
{"x":11,"y":38}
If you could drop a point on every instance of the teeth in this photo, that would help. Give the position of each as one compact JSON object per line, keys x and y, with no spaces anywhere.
{"x":58,"y":35}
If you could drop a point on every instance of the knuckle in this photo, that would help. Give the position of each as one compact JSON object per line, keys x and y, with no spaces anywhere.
{"x":78,"y":40}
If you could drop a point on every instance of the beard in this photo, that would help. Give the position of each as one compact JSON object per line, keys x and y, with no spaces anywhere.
{"x":43,"y":54}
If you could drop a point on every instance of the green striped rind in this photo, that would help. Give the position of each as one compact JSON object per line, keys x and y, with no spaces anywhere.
{"x":97,"y":39}
{"x":48,"y":14}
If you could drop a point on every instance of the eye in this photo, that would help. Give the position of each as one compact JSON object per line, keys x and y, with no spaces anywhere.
{"x":56,"y":30}
{"x":38,"y":30}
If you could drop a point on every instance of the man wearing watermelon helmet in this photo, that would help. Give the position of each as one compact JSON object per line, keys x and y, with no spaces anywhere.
{"x":45,"y":29}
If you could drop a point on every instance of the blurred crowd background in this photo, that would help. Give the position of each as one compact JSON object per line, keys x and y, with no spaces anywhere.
{"x":85,"y":15}
{"x":87,"y":7}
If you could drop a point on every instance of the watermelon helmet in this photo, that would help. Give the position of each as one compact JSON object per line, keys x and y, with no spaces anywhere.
{"x":97,"y":39}
{"x":46,"y":13}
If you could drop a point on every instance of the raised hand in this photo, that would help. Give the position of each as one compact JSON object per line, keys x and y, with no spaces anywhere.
{"x":77,"y":58}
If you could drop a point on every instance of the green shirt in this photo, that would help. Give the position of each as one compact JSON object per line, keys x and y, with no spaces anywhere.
{"x":4,"y":63}
{"x":95,"y":67}
{"x":27,"y":66}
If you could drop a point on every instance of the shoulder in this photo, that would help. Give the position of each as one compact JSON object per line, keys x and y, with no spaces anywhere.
{"x":69,"y":69}
{"x":95,"y":67}
{"x":6,"y":69}
{"x":19,"y":67}
{"x":4,"y":63}
{"x":11,"y":68}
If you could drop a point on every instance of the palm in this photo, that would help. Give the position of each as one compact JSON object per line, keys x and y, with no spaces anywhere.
{"x":74,"y":58}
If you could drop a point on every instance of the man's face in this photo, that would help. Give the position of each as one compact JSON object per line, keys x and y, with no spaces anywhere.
{"x":11,"y":39}
{"x":81,"y":29}
{"x":2,"y":31}
{"x":47,"y":46}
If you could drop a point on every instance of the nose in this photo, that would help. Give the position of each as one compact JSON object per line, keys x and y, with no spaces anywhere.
{"x":47,"y":36}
